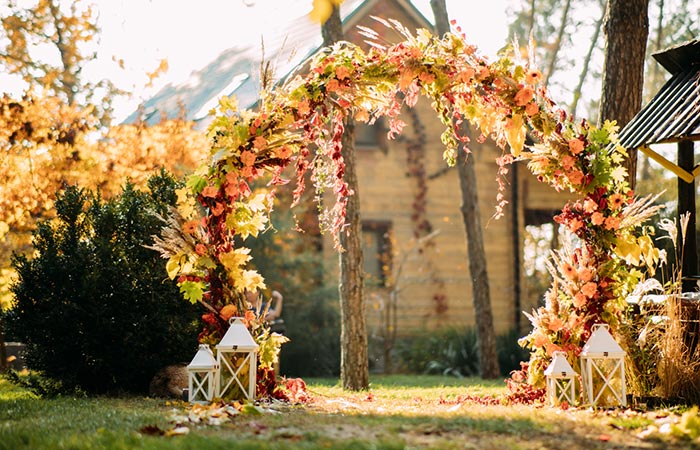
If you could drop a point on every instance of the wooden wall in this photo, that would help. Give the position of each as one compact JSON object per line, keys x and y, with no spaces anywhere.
{"x":387,"y":193}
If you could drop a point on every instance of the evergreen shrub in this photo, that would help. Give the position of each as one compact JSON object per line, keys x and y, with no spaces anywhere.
{"x":93,"y":305}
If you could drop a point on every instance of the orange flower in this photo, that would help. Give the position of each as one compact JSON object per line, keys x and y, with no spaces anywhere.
{"x":576,"y":146}
{"x":585,"y":274}
{"x":249,"y":315}
{"x":579,"y":300}
{"x":589,"y":205}
{"x":248,"y":157}
{"x":551,"y":348}
{"x":616,"y":201}
{"x":575,"y":177}
{"x":210,"y":191}
{"x":612,"y":223}
{"x":332,"y":85}
{"x":303,"y":107}
{"x":540,"y":340}
{"x":589,"y":289}
{"x":568,"y":271}
{"x":228,"y":311}
{"x":556,"y":324}
{"x":597,"y":218}
{"x":575,"y":225}
{"x":200,"y":249}
{"x":342,"y":72}
{"x":217,"y":209}
{"x":567,"y":162}
{"x":190,"y":226}
{"x":532,"y":108}
{"x":524,"y":96}
{"x":533,"y":76}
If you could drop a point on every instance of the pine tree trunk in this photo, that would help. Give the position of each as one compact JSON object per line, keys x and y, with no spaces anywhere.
{"x":626,"y":28}
{"x":486,"y":336}
{"x":354,"y":368}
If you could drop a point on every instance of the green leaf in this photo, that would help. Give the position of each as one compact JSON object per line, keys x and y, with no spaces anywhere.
{"x":196,"y":183}
{"x":192,"y":290}
{"x":206,"y":262}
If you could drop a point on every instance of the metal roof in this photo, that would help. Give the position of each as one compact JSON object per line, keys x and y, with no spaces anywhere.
{"x":674,"y":112}
{"x":236,"y":71}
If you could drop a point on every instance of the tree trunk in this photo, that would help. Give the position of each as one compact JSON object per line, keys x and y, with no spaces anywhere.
{"x":486,"y":336}
{"x":626,"y":28}
{"x":354,"y":368}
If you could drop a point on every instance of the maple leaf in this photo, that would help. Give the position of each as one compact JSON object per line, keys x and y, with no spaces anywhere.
{"x":235,"y":258}
{"x":619,"y":174}
{"x":192,"y":290}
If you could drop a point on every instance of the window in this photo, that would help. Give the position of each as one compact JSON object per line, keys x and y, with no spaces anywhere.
{"x":371,"y":137}
{"x":376,"y":249}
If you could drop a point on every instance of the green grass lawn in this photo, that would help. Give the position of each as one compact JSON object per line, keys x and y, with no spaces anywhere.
{"x":397,"y":412}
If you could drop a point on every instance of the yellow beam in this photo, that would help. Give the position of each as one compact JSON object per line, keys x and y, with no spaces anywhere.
{"x":681,"y":173}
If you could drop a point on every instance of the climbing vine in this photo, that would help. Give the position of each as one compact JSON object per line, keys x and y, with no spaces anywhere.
{"x":300,"y":124}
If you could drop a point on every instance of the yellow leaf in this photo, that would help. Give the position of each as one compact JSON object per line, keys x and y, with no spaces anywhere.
{"x":250,"y":280}
{"x":236,"y":258}
{"x":515,"y":134}
{"x":321,"y":10}
{"x":177,"y":264}
{"x":628,"y":249}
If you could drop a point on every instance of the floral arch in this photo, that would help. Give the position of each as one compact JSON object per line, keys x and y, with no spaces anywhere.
{"x":300,"y":123}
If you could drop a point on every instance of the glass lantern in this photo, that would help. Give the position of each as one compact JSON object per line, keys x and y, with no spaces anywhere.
{"x":236,"y":355}
{"x":603,"y":369}
{"x":202,"y":375}
{"x":561,"y":381}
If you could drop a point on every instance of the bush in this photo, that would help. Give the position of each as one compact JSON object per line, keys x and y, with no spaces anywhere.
{"x":510,"y":353}
{"x":455,"y":352}
{"x":446,"y":351}
{"x":313,"y":327}
{"x":94,"y":306}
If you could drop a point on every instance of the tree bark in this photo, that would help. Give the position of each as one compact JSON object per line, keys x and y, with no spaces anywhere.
{"x":354,"y":365}
{"x":486,"y":336}
{"x":626,"y":28}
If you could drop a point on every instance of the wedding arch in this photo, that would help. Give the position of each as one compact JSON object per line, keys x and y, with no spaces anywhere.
{"x":300,"y":123}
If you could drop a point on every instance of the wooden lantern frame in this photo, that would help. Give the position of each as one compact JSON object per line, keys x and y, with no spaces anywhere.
{"x":237,"y":343}
{"x":202,"y":376}
{"x":603,"y":360}
{"x":561,"y":380}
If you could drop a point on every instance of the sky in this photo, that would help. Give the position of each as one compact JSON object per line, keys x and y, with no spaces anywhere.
{"x":191,"y":34}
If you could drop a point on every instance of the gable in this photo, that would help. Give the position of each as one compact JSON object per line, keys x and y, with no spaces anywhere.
{"x":236,"y":71}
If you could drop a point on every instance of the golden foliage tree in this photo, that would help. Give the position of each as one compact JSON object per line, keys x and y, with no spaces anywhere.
{"x":47,"y":43}
{"x":47,"y":145}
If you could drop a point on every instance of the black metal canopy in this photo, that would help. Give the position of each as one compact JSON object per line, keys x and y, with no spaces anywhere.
{"x":673,"y":114}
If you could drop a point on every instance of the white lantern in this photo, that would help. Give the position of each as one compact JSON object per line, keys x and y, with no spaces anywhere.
{"x":236,"y":355}
{"x":603,"y":369}
{"x":561,"y":380}
{"x":202,"y":375}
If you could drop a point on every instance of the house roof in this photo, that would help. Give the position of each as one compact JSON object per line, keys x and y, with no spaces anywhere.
{"x":236,"y":71}
{"x":674,"y":112}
